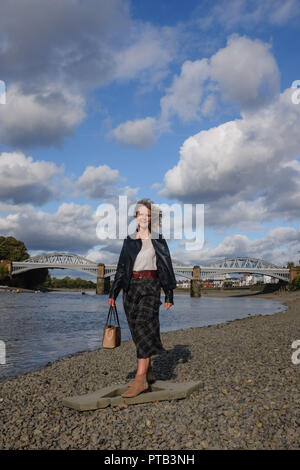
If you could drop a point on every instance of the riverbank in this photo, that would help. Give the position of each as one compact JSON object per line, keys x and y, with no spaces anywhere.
{"x":249,"y":397}
{"x":44,"y":289}
{"x":212,"y":292}
{"x":15,"y":289}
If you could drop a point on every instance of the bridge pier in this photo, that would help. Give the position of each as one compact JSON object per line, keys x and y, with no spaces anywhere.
{"x":8,"y":265}
{"x":294,"y":271}
{"x":195,"y":290}
{"x":103,"y":283}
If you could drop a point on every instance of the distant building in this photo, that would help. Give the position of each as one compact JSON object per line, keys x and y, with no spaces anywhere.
{"x":245,"y":280}
{"x":270,"y":280}
{"x":219,"y":279}
{"x":183,"y":283}
{"x":251,"y":279}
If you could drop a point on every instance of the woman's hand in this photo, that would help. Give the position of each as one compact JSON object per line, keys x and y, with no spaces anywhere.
{"x":167,"y":305}
{"x":112,"y":302}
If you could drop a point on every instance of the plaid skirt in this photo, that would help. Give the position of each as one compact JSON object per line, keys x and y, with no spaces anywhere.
{"x":141,"y":305}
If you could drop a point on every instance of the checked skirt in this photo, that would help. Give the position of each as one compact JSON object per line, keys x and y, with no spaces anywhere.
{"x":141,"y":305}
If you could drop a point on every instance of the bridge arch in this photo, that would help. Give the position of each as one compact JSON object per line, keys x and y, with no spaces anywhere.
{"x":243,"y":262}
{"x":246,"y":265}
{"x":56,"y":261}
{"x":222,"y":266}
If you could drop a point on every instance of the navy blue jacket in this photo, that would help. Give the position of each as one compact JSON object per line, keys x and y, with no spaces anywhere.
{"x":130,"y":249}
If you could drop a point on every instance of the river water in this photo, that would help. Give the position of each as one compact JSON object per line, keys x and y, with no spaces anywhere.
{"x":38,"y":328}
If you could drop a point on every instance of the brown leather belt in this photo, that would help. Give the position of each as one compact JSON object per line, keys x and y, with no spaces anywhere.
{"x":147,"y":273}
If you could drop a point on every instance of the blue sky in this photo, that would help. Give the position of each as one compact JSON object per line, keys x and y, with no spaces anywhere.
{"x":179,"y":102}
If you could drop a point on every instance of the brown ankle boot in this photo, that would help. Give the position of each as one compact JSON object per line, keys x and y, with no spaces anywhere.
{"x":139,"y":385}
{"x":150,"y":377}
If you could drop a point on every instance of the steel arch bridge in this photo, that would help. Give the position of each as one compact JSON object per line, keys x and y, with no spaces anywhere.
{"x":54,"y":261}
{"x":245,"y":265}
{"x":222,"y":266}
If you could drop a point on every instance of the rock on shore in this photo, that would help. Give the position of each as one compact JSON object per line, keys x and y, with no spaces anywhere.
{"x":249,"y":398}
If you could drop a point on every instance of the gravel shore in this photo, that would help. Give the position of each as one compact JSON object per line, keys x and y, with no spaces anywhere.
{"x":249,"y":397}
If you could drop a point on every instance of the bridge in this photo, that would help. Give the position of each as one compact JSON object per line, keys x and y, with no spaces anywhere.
{"x":56,"y":261}
{"x":222,"y":266}
{"x":245,"y":265}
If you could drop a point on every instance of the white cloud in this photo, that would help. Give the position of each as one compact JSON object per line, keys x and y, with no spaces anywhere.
{"x":243,"y":73}
{"x":76,"y":45}
{"x":209,"y":105}
{"x":284,"y":11}
{"x":24,"y":180}
{"x":105,"y":255}
{"x":252,"y":159}
{"x":8,"y":208}
{"x":246,"y":72}
{"x":139,"y":133}
{"x":81,"y":46}
{"x":43,"y":118}
{"x":147,"y":54}
{"x":184,"y":96}
{"x":98,"y":182}
{"x":242,"y":13}
{"x":71,"y":228}
{"x":278,"y":246}
{"x":237,"y":211}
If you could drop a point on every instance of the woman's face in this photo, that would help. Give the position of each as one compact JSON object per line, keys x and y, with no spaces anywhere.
{"x":143,"y":217}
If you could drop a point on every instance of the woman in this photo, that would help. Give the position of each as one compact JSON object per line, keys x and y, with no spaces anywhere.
{"x":143,"y":268}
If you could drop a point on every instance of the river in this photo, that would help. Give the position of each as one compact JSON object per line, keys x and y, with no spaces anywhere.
{"x":38,"y":328}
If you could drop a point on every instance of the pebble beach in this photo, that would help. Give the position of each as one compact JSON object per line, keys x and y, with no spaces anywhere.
{"x":249,"y":396}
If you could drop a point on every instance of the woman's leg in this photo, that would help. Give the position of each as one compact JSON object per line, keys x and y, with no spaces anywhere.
{"x":143,"y":365}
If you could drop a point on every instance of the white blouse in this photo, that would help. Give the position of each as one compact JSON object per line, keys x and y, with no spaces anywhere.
{"x":146,"y":258}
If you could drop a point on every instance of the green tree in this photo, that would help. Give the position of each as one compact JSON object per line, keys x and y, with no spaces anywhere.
{"x":15,"y":250}
{"x":69,"y":283}
{"x":12,"y":249}
{"x":48,"y":281}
